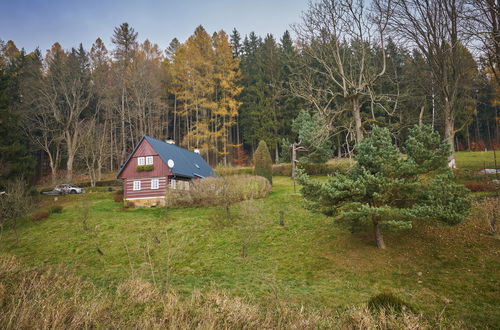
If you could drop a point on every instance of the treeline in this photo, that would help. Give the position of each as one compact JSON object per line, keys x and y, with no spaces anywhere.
{"x":350,"y":65}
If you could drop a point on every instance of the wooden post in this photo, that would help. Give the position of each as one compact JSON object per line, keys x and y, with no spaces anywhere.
{"x":294,"y":159}
{"x":282,"y":219}
{"x":495,"y":160}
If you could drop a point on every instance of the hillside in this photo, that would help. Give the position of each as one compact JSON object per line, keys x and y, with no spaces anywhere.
{"x":311,"y":261}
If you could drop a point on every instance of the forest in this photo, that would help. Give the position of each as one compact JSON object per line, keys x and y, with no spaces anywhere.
{"x":346,"y":67}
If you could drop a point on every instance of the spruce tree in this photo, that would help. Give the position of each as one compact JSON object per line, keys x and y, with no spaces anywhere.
{"x":263,"y":165}
{"x":389,"y":190}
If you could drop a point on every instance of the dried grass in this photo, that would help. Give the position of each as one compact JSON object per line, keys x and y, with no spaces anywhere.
{"x":55,"y":299}
{"x":220,"y":191}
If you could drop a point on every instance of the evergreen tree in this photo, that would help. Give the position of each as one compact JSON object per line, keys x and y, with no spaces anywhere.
{"x":15,"y":159}
{"x":172,"y":48}
{"x":391,"y":191}
{"x":236,"y":43}
{"x":310,"y":133}
{"x":125,"y":40}
{"x":263,"y":165}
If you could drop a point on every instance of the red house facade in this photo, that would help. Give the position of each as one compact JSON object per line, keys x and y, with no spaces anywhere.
{"x":153,"y":166}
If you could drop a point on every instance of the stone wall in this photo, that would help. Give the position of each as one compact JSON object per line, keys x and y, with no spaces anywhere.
{"x":149,"y":202}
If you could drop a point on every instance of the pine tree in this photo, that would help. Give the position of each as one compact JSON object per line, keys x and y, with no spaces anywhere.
{"x":309,"y":132}
{"x":15,"y":159}
{"x":263,"y":165}
{"x":236,"y":43}
{"x":391,"y":191}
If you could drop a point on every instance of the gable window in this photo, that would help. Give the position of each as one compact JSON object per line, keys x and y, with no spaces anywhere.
{"x":173,"y":184}
{"x":137,"y":185}
{"x":140,"y":161}
{"x":149,"y":160}
{"x":155,"y":183}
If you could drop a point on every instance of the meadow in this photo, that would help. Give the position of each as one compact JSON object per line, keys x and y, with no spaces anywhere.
{"x":311,"y":261}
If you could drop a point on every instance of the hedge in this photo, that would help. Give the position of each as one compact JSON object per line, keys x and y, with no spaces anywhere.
{"x":285,"y":169}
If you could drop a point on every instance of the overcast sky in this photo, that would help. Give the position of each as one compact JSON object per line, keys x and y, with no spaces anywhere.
{"x":40,"y":23}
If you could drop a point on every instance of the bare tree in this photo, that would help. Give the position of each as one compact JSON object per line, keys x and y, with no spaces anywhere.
{"x":433,"y":27}
{"x":14,"y":204}
{"x":337,"y":38}
{"x":483,"y":25}
{"x":65,"y":92}
{"x":94,"y":149}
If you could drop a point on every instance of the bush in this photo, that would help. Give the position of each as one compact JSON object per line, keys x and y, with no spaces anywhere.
{"x":101,"y":183}
{"x":40,"y":215}
{"x":285,"y":169}
{"x":476,"y":186}
{"x":220,"y":191}
{"x":388,"y":301}
{"x":56,"y":209}
{"x":118,"y":198}
{"x":226,"y":170}
{"x":263,"y":165}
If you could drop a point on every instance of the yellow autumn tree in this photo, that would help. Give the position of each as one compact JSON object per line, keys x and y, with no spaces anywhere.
{"x":226,"y":76}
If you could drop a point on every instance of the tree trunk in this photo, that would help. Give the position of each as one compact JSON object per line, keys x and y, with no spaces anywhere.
{"x":449,"y":128}
{"x":357,"y":118}
{"x":378,"y":234}
{"x":69,"y":166}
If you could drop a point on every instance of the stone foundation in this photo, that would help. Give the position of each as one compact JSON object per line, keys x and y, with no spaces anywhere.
{"x":149,"y":202}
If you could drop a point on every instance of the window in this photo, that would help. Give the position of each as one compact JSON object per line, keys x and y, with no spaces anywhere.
{"x":137,"y":185}
{"x":149,"y":160}
{"x":140,"y":161}
{"x":173,"y":184}
{"x":155,"y":183}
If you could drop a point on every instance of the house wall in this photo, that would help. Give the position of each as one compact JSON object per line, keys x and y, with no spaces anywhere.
{"x":146,"y":191}
{"x":129,"y":174}
{"x":144,"y":149}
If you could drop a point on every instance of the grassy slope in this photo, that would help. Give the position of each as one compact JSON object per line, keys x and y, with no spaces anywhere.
{"x":476,"y":160}
{"x":311,"y":261}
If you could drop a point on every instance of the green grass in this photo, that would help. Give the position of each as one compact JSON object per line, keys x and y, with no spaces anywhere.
{"x":312,"y":261}
{"x":476,"y":160}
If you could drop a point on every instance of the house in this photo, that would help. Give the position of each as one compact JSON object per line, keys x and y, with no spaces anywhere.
{"x":153,"y":165}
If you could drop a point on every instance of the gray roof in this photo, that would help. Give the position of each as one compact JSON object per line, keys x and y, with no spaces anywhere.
{"x":186,"y":163}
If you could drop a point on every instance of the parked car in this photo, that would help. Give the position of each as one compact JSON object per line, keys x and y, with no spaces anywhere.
{"x":69,"y":189}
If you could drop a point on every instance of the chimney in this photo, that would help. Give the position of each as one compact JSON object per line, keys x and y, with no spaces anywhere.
{"x":170,"y":141}
{"x":197,"y":151}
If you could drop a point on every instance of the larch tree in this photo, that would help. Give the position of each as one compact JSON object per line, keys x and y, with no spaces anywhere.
{"x":226,"y":76}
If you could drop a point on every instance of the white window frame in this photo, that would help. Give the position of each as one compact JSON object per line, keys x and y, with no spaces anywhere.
{"x":155,"y":183}
{"x":140,"y":161}
{"x":136,"y":185}
{"x":173,"y":184}
{"x":149,"y":160}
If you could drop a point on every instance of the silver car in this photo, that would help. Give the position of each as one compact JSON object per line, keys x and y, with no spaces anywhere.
{"x":69,"y":189}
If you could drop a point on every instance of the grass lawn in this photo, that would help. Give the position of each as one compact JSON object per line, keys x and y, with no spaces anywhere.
{"x":312,"y":261}
{"x":476,"y":160}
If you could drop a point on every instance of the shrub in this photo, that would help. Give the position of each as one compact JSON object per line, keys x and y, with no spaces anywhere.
{"x":388,"y":301}
{"x":143,"y":168}
{"x":227,"y":170}
{"x":285,"y":169}
{"x":40,"y":215}
{"x":220,"y":191}
{"x":263,"y":165}
{"x":476,"y":186}
{"x":118,"y":198}
{"x":56,"y":209}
